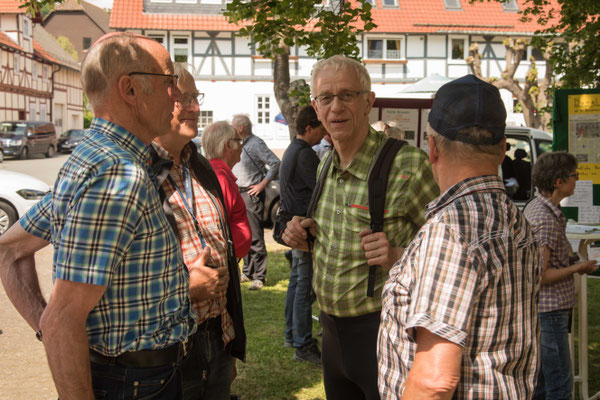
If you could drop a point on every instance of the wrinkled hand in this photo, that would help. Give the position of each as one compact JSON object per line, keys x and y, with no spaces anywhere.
{"x":207,"y":282}
{"x":255,"y":190}
{"x":378,"y":249}
{"x":295,"y":232}
{"x":587,"y":267}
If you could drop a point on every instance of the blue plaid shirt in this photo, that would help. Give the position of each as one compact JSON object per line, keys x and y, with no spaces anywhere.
{"x":105,"y":220}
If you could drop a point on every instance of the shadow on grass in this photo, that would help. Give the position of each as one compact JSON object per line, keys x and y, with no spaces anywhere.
{"x":270,"y":371}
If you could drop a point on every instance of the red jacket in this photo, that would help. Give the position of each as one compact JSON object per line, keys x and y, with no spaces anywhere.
{"x":235,"y":208}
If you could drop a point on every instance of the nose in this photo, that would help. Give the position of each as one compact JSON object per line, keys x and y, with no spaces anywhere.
{"x":336,"y":104}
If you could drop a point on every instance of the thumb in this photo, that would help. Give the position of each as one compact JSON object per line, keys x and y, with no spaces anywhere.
{"x":204,"y":257}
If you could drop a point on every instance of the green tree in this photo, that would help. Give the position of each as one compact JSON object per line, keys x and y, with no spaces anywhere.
{"x":275,"y":26}
{"x":67,"y":46}
{"x":570,"y":32}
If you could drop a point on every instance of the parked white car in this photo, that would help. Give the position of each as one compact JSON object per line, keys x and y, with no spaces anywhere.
{"x":18,"y":193}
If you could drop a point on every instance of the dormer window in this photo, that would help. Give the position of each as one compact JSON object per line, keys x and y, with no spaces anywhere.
{"x":371,"y":2}
{"x":390,"y":3}
{"x":510,"y":5}
{"x":452,"y":4}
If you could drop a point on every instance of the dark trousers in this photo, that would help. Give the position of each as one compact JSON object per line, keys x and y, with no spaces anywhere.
{"x":349,"y":356}
{"x":118,"y":382}
{"x":255,"y":262}
{"x":208,"y":369}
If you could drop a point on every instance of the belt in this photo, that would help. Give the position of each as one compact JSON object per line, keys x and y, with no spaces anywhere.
{"x":243,"y":189}
{"x":145,"y":358}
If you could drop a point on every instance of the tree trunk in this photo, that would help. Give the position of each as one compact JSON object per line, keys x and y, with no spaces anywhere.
{"x":281,"y":87}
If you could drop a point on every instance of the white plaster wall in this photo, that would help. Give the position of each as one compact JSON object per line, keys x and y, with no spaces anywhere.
{"x":415,"y":69}
{"x":436,"y":46}
{"x":415,"y":46}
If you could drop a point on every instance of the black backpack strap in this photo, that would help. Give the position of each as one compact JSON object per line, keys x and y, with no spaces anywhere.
{"x":316,"y":194}
{"x":378,"y":180}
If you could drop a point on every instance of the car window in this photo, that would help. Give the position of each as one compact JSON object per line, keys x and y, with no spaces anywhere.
{"x":12,"y":127}
{"x":542,"y":146}
{"x":516,"y":168}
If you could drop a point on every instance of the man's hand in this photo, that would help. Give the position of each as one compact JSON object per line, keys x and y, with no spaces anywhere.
{"x":378,"y":249}
{"x":255,"y":190}
{"x":295,"y":232}
{"x":207,"y":282}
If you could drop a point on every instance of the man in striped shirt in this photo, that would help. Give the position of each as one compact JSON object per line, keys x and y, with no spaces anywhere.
{"x":344,"y":245}
{"x":459,"y":312}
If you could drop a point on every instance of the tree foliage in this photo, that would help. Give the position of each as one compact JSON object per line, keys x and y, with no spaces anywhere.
{"x":276,"y":26}
{"x":571,"y":33}
{"x":67,"y":46}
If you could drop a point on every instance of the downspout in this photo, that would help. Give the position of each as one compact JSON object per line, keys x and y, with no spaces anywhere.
{"x":52,"y":92}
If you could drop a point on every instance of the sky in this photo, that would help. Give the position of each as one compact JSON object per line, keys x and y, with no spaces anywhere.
{"x":101,"y":3}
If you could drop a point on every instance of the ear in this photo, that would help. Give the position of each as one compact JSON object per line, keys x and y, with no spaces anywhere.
{"x":126,"y":90}
{"x":434,"y":153}
{"x":370,"y":100}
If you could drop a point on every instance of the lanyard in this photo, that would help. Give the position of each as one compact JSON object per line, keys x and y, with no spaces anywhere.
{"x":188,"y":199}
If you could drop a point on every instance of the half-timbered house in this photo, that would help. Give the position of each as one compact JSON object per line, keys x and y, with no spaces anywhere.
{"x":39,"y":81}
{"x":414,"y":39}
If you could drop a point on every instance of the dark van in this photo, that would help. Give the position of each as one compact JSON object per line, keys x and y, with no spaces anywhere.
{"x":24,"y":138}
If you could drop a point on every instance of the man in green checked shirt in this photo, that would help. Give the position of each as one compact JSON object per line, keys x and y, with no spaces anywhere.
{"x":344,"y":244}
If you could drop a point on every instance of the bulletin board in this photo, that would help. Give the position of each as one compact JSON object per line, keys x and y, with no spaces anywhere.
{"x":576,"y":118}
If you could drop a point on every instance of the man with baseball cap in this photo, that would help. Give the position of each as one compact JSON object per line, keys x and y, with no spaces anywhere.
{"x":459,"y":312}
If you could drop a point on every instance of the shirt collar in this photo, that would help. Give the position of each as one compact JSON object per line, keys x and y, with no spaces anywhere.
{"x":553,"y":209}
{"x":219,"y":164}
{"x":361,"y":163}
{"x":163,"y":153}
{"x":484,"y":183}
{"x":122,"y":138}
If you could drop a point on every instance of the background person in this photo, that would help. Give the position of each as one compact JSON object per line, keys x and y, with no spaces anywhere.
{"x":459,"y":315}
{"x":253,"y":177}
{"x":107,"y":329}
{"x":298,"y":175}
{"x":223,"y":148}
{"x":344,"y":245}
{"x":555,"y":176}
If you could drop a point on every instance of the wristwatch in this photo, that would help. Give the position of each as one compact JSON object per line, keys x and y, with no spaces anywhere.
{"x":38,"y":335}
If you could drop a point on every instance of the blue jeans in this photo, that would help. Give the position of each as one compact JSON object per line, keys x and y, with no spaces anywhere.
{"x":556,"y":376}
{"x":208,"y":369}
{"x":117,"y":382}
{"x":299,"y":299}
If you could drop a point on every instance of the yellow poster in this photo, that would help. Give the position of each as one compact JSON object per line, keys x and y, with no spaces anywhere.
{"x":584,"y":127}
{"x":589,"y":172}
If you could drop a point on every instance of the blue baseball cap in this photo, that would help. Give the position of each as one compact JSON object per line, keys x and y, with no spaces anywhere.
{"x":466,"y":102}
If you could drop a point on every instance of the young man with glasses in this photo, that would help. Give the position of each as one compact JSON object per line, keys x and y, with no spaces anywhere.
{"x":344,"y":245}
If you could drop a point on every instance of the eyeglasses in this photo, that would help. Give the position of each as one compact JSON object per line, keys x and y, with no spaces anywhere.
{"x":173,"y":77}
{"x":346,"y":96}
{"x":189,"y":99}
{"x":575,"y":175}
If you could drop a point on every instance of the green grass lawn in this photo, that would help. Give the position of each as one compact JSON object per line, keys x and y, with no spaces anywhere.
{"x":270,"y":372}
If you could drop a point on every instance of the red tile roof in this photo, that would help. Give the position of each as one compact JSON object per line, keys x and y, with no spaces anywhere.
{"x":11,"y":7}
{"x":5,"y":40}
{"x":39,"y":51}
{"x":412,"y":16}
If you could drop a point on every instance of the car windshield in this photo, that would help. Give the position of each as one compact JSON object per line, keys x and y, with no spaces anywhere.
{"x":13,"y":127}
{"x":74,"y":133}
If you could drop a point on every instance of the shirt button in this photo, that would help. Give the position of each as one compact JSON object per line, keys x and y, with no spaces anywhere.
{"x":340,"y":180}
{"x":338,"y":211}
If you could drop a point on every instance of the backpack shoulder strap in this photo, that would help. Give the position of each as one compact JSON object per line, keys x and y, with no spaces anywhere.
{"x":377,"y":181}
{"x":319,"y":185}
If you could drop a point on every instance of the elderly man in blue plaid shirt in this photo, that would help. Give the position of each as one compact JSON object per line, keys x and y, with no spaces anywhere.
{"x":119,"y":315}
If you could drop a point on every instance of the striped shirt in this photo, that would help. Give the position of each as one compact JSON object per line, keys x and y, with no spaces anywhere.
{"x":212,"y":231}
{"x":340,"y":266}
{"x":549,"y":227}
{"x":470,"y":276}
{"x":105,"y":220}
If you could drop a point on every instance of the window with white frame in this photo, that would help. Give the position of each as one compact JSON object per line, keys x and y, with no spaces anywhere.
{"x":181,"y":48}
{"x":385,"y":49}
{"x":33,"y":111}
{"x":45,"y":72}
{"x":452,"y":4}
{"x":371,"y":2}
{"x":205,"y":119}
{"x":458,"y":46}
{"x":158,"y":38}
{"x":25,"y":27}
{"x":263,"y":109}
{"x":34,"y":69}
{"x":16,"y":64}
{"x":510,"y":5}
{"x":389,"y":3}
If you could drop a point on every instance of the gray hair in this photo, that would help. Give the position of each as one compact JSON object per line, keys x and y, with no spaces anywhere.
{"x":214,"y":138}
{"x":109,"y":59}
{"x":337,"y":63}
{"x":185,"y":76}
{"x":242,"y":120}
{"x":468,"y":152}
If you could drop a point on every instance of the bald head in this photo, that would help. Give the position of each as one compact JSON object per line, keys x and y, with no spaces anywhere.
{"x":112,"y":56}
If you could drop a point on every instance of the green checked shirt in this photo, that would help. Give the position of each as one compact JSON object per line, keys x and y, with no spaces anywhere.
{"x":340,"y":267}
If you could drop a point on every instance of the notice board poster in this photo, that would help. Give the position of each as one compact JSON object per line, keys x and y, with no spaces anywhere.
{"x":577,"y":130}
{"x":406,"y":119}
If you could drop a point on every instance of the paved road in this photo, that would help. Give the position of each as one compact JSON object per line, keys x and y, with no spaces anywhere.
{"x":25,"y":373}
